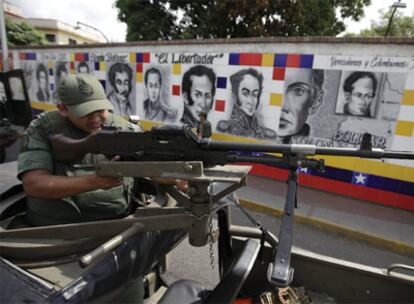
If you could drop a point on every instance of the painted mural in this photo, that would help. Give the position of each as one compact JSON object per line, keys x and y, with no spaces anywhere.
{"x":324,"y":100}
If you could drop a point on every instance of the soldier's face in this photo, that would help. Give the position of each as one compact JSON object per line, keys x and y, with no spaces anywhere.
{"x":248,"y":94}
{"x":122,"y":86}
{"x":201,"y":95}
{"x":297,"y":100}
{"x":153,"y":87}
{"x":91,"y":122}
{"x":361,"y":97}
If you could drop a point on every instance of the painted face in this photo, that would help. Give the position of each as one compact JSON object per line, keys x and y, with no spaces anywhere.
{"x":122,"y":86}
{"x":63,"y":73}
{"x":200,"y":94}
{"x":43,"y":81}
{"x":248,"y":94}
{"x":153,"y":87}
{"x":83,"y":70}
{"x":91,"y":122}
{"x":297,"y":100}
{"x":361,"y":97}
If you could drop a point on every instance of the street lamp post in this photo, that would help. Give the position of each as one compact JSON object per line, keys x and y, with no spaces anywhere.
{"x":78,"y":24}
{"x":395,"y":6}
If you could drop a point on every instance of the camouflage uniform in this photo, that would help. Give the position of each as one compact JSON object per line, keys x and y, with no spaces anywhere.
{"x":36,"y":153}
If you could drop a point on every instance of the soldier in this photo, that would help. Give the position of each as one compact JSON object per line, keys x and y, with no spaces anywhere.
{"x":59,"y":193}
{"x":204,"y":128}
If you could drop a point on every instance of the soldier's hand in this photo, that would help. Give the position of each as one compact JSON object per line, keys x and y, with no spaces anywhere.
{"x":106,"y":182}
{"x":181,"y":184}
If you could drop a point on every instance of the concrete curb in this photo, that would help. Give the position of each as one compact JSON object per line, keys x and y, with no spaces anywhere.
{"x":375,"y":240}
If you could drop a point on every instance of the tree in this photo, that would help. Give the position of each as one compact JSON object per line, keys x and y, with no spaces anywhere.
{"x":401,"y":26}
{"x":21,"y":33}
{"x":189,"y":19}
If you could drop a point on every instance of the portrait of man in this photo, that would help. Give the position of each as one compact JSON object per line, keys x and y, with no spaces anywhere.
{"x":154,"y":108}
{"x":83,"y":67}
{"x":198,"y":90}
{"x":28,"y":71}
{"x":61,"y":71}
{"x":359,"y":92}
{"x":42,"y":83}
{"x":303,"y":95}
{"x":246,"y":89}
{"x":120,"y":80}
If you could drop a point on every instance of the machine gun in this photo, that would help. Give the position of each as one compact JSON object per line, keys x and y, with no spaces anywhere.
{"x":172,"y":145}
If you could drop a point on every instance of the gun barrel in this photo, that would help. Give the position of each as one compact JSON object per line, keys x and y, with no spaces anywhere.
{"x":209,"y":144}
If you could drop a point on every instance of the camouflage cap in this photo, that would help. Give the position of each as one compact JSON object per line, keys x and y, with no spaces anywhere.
{"x":82,"y":94}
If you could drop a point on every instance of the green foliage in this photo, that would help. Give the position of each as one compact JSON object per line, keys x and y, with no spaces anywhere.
{"x":147,"y":20}
{"x":21,"y":33}
{"x":401,"y":26}
{"x":189,"y":19}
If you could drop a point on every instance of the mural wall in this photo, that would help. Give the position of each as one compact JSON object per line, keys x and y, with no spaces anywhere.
{"x":326,"y":100}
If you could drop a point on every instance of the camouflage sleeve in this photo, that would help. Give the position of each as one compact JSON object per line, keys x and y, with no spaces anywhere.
{"x":118,"y":121}
{"x":134,"y":127}
{"x":35,"y":151}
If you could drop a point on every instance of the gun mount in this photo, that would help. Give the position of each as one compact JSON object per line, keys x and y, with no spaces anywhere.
{"x":171,"y":143}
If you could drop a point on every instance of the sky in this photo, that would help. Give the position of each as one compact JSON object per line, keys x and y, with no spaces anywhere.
{"x":103,"y":15}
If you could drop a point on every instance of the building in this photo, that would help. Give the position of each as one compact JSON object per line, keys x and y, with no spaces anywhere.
{"x":56,"y":31}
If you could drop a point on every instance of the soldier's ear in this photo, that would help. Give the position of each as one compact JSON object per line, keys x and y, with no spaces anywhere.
{"x":62,"y":110}
{"x":317,"y":102}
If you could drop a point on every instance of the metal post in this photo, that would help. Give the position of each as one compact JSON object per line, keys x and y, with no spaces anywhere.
{"x":78,"y":24}
{"x":395,"y":6}
{"x":4,"y":49}
{"x":390,"y":22}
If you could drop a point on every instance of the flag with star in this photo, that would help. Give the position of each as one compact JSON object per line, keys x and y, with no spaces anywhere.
{"x":359,"y":178}
{"x":304,"y":170}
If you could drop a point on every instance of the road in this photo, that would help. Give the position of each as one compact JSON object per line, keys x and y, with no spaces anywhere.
{"x":194,"y":263}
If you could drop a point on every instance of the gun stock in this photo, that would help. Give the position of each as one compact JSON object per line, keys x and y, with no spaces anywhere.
{"x":68,"y":150}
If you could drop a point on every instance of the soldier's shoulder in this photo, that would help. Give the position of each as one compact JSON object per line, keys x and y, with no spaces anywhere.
{"x":45,"y":118}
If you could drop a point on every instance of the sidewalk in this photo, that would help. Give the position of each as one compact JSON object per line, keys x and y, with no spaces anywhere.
{"x":382,"y":226}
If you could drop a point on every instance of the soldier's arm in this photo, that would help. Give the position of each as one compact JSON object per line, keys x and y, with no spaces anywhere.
{"x":43,"y":184}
